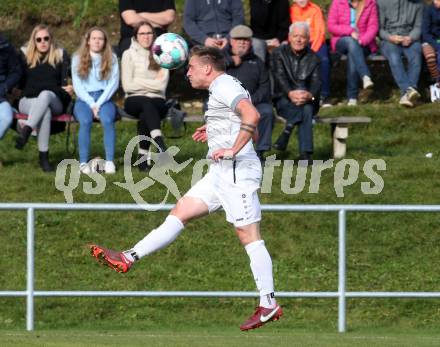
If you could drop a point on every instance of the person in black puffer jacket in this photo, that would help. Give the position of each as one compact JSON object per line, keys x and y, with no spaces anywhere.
{"x":297,"y":88}
{"x":270,"y":22}
{"x":10,"y":73}
{"x":244,"y":65}
{"x":45,"y":90}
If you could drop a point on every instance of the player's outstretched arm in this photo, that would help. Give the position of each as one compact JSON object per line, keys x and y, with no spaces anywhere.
{"x":248,"y":129}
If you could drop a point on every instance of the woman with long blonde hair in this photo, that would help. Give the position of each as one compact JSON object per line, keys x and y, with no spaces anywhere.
{"x":95,"y":75}
{"x":45,"y":91}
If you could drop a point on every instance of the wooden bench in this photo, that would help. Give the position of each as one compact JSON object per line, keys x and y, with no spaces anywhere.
{"x":339,"y":131}
{"x":372,"y":57}
{"x":65,"y":117}
{"x":60,"y":118}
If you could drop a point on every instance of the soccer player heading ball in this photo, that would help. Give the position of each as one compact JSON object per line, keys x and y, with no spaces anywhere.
{"x":232,"y":181}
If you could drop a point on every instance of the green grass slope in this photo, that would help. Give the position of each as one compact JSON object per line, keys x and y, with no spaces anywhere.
{"x":386,"y":251}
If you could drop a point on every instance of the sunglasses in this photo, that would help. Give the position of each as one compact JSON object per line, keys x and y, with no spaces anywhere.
{"x":145,"y":34}
{"x":40,"y":39}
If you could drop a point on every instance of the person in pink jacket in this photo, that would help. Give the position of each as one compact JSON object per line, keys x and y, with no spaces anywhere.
{"x":353,"y":25}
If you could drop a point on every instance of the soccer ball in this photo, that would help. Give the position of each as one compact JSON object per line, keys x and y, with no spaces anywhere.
{"x":170,"y":51}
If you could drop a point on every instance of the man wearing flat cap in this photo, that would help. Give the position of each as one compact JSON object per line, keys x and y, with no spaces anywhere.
{"x":244,"y":65}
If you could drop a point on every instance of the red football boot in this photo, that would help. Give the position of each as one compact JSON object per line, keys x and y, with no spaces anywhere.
{"x":113,"y":259}
{"x":261,"y":316}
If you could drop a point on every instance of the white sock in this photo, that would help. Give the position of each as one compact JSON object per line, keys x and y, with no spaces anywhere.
{"x":261,"y":266}
{"x":142,"y":151}
{"x":157,"y":239}
{"x":155,"y":133}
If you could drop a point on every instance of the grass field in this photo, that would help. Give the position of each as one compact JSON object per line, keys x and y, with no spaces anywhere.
{"x":386,"y":252}
{"x":215,"y":338}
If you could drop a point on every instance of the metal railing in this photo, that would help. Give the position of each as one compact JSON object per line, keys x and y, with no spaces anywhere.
{"x":30,"y":293}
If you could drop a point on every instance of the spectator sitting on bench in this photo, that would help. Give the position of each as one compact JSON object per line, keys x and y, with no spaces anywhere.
{"x":400,"y":32}
{"x":431,"y":45}
{"x":354,"y":26}
{"x":45,"y":92}
{"x":95,"y":75}
{"x":296,"y":72}
{"x":243,"y":64}
{"x":307,"y":11}
{"x":144,"y":83}
{"x":10,"y":74}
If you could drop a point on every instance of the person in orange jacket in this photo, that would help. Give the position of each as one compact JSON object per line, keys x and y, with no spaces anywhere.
{"x":307,"y":11}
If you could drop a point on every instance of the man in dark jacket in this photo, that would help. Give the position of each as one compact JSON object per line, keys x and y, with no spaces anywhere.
{"x":10,"y":73}
{"x":243,"y":64}
{"x":160,"y":13}
{"x":208,"y":22}
{"x":295,"y":69}
{"x":270,"y":22}
{"x":400,"y":31}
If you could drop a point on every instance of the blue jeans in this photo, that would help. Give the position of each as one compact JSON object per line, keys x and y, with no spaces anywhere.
{"x":301,"y":116}
{"x":265,"y":126}
{"x":6,"y":115}
{"x":356,"y":64}
{"x":84,"y":115}
{"x":325,"y":70}
{"x":413,"y":54}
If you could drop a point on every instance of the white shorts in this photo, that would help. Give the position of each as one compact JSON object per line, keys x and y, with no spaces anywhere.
{"x":232,"y":185}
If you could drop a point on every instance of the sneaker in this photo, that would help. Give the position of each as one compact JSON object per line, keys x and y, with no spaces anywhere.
{"x":352,"y":102}
{"x":109,"y":167}
{"x":413,"y":94}
{"x":405,"y":101}
{"x":435,"y":92}
{"x":142,"y":163}
{"x":324,"y":102}
{"x":367,"y":83}
{"x":97,"y":165}
{"x":84,"y":168}
{"x":114,"y":260}
{"x":262,"y":316}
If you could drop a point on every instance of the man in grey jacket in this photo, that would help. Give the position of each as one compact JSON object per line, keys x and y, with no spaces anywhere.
{"x":400,"y":31}
{"x":208,"y":22}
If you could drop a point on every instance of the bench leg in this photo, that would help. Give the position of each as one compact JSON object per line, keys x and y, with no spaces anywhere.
{"x":339,"y":137}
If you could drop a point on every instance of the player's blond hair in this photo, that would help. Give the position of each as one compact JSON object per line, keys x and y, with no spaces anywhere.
{"x":210,"y":55}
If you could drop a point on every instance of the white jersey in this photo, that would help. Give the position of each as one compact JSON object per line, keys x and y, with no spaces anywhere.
{"x":222,"y":122}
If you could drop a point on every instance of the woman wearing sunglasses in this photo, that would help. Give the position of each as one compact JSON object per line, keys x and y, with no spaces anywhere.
{"x":95,"y":75}
{"x":45,"y":92}
{"x":144,"y":83}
